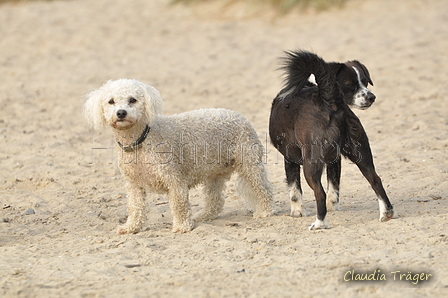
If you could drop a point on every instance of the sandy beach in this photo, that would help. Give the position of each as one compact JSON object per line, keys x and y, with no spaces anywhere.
{"x":62,"y":196}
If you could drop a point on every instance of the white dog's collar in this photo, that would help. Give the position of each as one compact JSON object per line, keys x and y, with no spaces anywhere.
{"x":136,"y":144}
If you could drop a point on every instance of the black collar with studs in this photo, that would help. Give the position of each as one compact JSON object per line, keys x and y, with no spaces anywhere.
{"x":132,"y":147}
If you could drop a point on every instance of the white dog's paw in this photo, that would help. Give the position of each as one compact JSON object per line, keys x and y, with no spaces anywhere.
{"x":319,"y":224}
{"x":265,"y":213}
{"x":387,"y":215}
{"x":127,"y":229}
{"x":297,"y":210}
{"x":185,"y":227}
{"x":204,"y":216}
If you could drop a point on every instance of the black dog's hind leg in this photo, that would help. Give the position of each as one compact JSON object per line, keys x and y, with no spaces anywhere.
{"x":313,"y":174}
{"x":292,"y":171}
{"x":333,"y":178}
{"x":361,"y":155}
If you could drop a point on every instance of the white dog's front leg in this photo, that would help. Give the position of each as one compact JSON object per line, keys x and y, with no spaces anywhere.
{"x":136,"y":209}
{"x":180,"y":208}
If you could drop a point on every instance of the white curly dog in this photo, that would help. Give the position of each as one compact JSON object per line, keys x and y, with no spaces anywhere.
{"x":171,"y":154}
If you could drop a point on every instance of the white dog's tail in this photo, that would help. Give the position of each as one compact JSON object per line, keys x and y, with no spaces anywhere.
{"x":256,"y":198}
{"x":245,"y":190}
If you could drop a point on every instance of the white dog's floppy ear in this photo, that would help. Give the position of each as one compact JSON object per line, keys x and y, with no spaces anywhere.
{"x":153,"y":102}
{"x":93,"y":110}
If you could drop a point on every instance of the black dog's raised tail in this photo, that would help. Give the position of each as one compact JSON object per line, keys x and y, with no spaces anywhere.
{"x":299,"y":65}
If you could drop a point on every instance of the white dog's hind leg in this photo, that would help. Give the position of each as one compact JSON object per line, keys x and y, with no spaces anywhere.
{"x":181,"y":210}
{"x":214,"y":200}
{"x":136,"y":209}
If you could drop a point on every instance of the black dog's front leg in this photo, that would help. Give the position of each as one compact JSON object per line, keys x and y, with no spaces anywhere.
{"x":361,"y":155}
{"x":333,"y":179}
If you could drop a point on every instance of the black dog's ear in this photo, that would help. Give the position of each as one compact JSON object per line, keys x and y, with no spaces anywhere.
{"x":336,"y":67}
{"x":364,"y":69}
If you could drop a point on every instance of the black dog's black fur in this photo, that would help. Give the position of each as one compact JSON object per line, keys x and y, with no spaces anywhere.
{"x":313,"y":125}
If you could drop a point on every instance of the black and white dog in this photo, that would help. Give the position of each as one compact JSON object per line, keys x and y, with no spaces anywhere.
{"x":313,"y":125}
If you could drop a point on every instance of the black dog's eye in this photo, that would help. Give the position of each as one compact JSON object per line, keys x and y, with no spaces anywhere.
{"x":132,"y":100}
{"x":111,"y":101}
{"x":348,"y":83}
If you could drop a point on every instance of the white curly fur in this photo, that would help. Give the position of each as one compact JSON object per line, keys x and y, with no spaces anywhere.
{"x":180,"y":152}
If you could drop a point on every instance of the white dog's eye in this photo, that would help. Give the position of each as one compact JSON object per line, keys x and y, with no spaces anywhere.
{"x":111,"y":101}
{"x":132,"y":100}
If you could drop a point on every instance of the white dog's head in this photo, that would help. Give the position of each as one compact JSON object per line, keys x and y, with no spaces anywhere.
{"x":122,"y":103}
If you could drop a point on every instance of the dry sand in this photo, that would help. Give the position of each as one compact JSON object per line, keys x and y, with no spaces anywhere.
{"x":54,"y":52}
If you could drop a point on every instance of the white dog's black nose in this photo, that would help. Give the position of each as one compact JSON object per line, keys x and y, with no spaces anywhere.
{"x":121,"y":114}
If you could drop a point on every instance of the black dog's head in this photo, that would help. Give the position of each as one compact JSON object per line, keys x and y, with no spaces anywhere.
{"x":353,"y":78}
